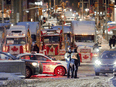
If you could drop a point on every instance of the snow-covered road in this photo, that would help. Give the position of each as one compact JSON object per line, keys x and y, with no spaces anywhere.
{"x":89,"y":81}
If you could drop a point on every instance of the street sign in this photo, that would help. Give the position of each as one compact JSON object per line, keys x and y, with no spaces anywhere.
{"x":39,"y":3}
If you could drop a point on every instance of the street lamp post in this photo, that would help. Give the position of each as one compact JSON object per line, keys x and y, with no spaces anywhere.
{"x":54,"y":5}
{"x":2,"y":11}
{"x":106,"y":33}
{"x":82,"y":10}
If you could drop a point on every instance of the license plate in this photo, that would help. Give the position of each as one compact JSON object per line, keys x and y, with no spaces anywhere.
{"x":106,"y":68}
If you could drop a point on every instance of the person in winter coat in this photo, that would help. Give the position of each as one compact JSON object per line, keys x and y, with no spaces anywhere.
{"x":76,"y":62}
{"x":73,"y":61}
{"x":113,"y":40}
{"x":110,"y":43}
{"x":68,"y":60}
{"x":36,"y":48}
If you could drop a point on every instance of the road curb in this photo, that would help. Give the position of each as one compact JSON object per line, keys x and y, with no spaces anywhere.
{"x":86,"y":64}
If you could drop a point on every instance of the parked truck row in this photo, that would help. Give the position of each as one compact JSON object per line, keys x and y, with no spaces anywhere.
{"x":52,"y":42}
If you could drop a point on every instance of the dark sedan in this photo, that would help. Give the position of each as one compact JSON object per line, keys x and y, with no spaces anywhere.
{"x":32,"y":67}
{"x":105,"y":63}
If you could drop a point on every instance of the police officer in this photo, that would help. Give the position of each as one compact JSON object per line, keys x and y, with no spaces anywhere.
{"x":68,"y":60}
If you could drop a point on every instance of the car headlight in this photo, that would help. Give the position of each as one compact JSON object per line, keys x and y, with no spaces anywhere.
{"x":115,"y":63}
{"x":97,"y":62}
{"x":35,"y":64}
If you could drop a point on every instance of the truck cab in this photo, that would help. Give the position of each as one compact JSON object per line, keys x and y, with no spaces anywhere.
{"x":17,"y":40}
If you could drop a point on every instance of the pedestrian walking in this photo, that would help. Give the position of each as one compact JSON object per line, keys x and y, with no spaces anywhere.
{"x":110,"y":43}
{"x":113,"y":40}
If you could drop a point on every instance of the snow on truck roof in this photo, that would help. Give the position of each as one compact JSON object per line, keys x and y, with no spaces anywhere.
{"x":83,"y":27}
{"x":66,"y":28}
{"x":32,"y":26}
{"x":16,"y":27}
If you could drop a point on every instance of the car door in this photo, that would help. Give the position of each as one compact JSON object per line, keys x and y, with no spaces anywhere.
{"x":45,"y":62}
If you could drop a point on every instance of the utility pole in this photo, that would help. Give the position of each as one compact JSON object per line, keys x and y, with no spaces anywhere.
{"x":82,"y":10}
{"x":63,"y":26}
{"x":97,"y":13}
{"x":106,"y":35}
{"x":49,"y":7}
{"x":54,"y":6}
{"x":2,"y":11}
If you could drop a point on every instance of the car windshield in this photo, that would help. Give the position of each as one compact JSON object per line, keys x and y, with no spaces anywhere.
{"x":49,"y":57}
{"x":109,"y":55}
{"x":51,"y":39}
{"x":10,"y":55}
{"x":16,"y":41}
{"x":84,"y":38}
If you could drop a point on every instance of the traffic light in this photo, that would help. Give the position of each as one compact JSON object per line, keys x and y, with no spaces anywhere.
{"x":8,"y":1}
{"x":96,"y":4}
{"x":40,"y":11}
{"x":4,"y":10}
{"x":78,"y":4}
{"x":56,"y":7}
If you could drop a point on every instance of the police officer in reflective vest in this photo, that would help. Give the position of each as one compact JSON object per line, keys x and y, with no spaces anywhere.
{"x":68,"y":60}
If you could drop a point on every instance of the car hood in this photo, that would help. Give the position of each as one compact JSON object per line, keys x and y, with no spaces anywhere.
{"x":108,"y":61}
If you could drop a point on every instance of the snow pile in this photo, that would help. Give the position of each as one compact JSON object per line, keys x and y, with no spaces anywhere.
{"x":104,"y":43}
{"x":5,"y":77}
{"x":96,"y":81}
{"x":112,"y":81}
{"x":11,"y":76}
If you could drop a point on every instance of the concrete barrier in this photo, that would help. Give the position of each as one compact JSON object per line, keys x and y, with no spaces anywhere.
{"x":12,"y":66}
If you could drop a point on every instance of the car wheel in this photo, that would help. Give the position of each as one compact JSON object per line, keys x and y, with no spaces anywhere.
{"x":60,"y":71}
{"x":28,"y":72}
{"x":96,"y":73}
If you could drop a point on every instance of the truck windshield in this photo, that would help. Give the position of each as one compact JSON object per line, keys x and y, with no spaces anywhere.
{"x":51,"y":39}
{"x":16,"y":40}
{"x":84,"y":38}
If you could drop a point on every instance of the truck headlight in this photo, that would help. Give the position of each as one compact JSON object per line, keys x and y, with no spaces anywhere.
{"x":35,"y":64}
{"x":95,"y":54}
{"x":97,"y":62}
{"x":96,"y":50}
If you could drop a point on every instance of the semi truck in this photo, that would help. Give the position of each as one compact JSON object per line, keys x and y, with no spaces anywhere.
{"x":84,"y":36}
{"x":17,"y":40}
